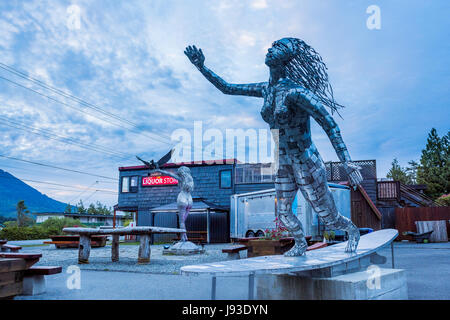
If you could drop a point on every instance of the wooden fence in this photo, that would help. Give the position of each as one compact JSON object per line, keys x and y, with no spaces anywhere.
{"x":405,"y":218}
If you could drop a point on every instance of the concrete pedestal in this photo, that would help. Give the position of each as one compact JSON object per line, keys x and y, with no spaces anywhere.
{"x":183,"y":248}
{"x":371,"y":284}
{"x":33,"y":285}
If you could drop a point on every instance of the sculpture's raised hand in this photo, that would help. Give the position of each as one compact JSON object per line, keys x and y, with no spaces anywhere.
{"x":195,"y":56}
{"x":353,"y":173}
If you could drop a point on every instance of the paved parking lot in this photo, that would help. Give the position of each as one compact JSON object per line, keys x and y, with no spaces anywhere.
{"x":427,"y":267}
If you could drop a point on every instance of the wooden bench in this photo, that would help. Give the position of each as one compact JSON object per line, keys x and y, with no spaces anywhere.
{"x":43,"y":270}
{"x":10,"y":248}
{"x":65,"y":241}
{"x":286,"y":239}
{"x":233,"y":253}
{"x":316,"y":245}
{"x":30,"y":258}
{"x":202,"y":239}
{"x":34,"y":280}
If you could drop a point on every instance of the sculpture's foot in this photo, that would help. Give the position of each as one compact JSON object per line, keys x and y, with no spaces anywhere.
{"x":353,"y":240}
{"x":298,"y":249}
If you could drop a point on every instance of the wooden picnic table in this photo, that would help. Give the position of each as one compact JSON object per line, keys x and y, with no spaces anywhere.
{"x":12,"y":270}
{"x":85,"y":234}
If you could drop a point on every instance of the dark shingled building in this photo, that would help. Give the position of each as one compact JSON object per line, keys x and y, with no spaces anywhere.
{"x":214,"y":181}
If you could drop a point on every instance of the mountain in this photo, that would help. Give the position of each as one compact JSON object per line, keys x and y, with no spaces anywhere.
{"x":12,"y":190}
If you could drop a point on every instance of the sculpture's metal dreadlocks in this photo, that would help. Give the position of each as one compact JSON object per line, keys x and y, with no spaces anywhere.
{"x":298,"y":89}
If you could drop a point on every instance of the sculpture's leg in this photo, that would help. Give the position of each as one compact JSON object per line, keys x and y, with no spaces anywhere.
{"x":115,"y":248}
{"x":183,"y":212}
{"x":286,"y":190}
{"x":84,"y":249}
{"x":311,"y":177}
{"x":184,"y":217}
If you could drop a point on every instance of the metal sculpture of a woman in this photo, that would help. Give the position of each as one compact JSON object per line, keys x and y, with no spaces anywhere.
{"x":184,"y":199}
{"x":297,"y":89}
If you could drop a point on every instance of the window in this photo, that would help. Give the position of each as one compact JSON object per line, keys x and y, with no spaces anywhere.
{"x":225,"y":179}
{"x":254,"y":173}
{"x":134,"y":184}
{"x":130,"y":184}
{"x":125,"y":184}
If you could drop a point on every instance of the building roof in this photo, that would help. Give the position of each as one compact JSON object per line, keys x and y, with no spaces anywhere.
{"x":187,"y":164}
{"x":198,"y":204}
{"x":74,"y":214}
{"x":48,"y":213}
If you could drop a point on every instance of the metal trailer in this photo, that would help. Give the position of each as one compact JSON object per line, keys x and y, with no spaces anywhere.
{"x":252,"y":213}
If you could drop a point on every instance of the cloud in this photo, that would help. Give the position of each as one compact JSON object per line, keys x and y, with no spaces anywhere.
{"x":127,"y":58}
{"x":259,"y":4}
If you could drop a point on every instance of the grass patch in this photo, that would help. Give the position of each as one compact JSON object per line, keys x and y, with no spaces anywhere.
{"x":34,"y":245}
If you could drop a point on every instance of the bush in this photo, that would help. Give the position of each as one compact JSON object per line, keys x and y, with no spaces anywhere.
{"x":54,"y":226}
{"x":444,"y":200}
{"x":50,"y":227}
{"x":22,"y":233}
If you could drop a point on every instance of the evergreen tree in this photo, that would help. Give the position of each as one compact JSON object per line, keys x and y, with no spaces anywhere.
{"x":91,"y":209}
{"x":68,"y":208}
{"x":23,"y":220}
{"x":411,"y":171}
{"x":80,"y":207}
{"x":434,"y":168}
{"x":397,"y":173}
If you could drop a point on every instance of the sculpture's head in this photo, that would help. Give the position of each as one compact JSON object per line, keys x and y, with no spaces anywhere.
{"x":184,"y":172}
{"x":303,"y":65}
{"x":281,"y":52}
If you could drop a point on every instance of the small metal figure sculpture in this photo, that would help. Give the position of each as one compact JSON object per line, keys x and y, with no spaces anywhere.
{"x":297,"y":89}
{"x":184,"y":177}
{"x":184,"y":199}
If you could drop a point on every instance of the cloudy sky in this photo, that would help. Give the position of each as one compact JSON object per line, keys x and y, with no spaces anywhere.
{"x":126,"y":60}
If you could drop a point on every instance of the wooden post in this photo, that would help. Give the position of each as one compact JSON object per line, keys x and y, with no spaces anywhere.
{"x":84,"y":249}
{"x":114,"y":219}
{"x":207,"y":225}
{"x":392,"y":254}
{"x":115,"y":248}
{"x":251,"y":285}
{"x":213,"y":288}
{"x":144,"y":249}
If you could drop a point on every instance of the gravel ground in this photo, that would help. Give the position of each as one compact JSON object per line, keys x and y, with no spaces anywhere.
{"x":100,"y":258}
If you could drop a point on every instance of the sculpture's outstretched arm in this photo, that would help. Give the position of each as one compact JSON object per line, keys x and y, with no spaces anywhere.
{"x":170,"y":174}
{"x":251,"y":89}
{"x":304,"y":99}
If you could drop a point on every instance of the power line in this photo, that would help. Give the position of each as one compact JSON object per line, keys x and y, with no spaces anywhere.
{"x":83,"y":192}
{"x":61,"y":185}
{"x":84,"y":103}
{"x":44,"y":85}
{"x":56,"y":167}
{"x":44,"y":188}
{"x":86,"y":199}
{"x":67,"y":140}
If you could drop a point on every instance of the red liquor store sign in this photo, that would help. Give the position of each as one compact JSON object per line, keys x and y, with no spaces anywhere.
{"x":158,"y":181}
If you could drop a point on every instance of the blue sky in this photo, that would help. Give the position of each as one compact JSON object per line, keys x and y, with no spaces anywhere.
{"x":127,"y":58}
